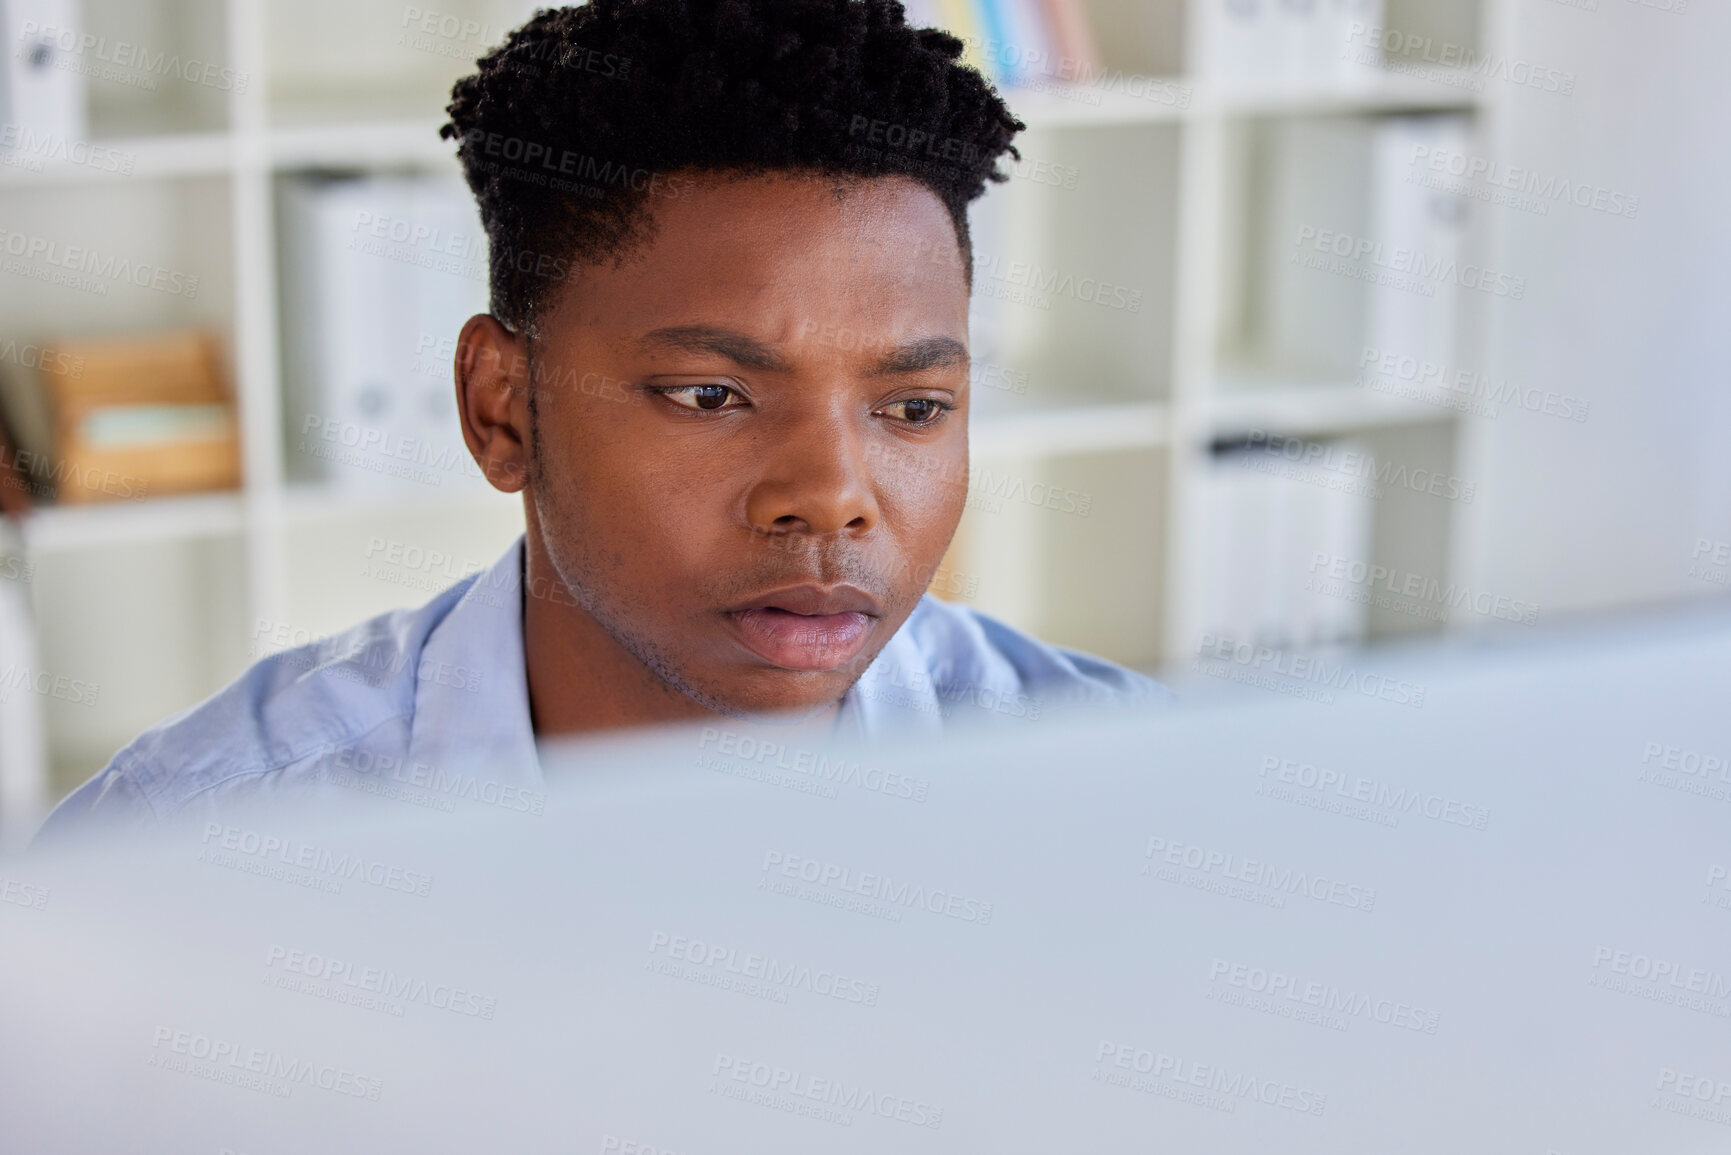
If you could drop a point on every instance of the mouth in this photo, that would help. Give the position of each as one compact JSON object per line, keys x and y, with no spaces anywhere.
{"x":807,"y":627}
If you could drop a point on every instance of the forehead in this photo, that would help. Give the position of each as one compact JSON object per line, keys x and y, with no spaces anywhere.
{"x":782,"y":255}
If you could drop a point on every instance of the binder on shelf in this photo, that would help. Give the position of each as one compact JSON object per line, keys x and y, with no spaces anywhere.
{"x":23,"y":739}
{"x":1267,"y":520}
{"x":15,"y":485}
{"x":1311,"y":318}
{"x":961,"y":18}
{"x":1028,"y":52}
{"x":1014,"y":42}
{"x":379,"y":275}
{"x":26,"y":427}
{"x":995,"y":46}
{"x":42,"y":104}
{"x":1431,"y":223}
{"x":1273,"y":43}
{"x":1240,"y":44}
{"x":1342,"y":46}
{"x":1072,"y":34}
{"x":144,"y":416}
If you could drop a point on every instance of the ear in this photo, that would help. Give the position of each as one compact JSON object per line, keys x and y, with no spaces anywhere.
{"x":492,"y":371}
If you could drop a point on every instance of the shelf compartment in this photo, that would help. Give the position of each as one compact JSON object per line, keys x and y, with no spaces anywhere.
{"x":1244,"y":403}
{"x":52,"y":528}
{"x":1076,"y":429}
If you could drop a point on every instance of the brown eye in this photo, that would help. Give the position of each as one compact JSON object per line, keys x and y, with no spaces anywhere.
{"x":704,"y":397}
{"x":918,"y":411}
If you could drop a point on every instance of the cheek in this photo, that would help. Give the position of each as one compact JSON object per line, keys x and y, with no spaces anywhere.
{"x":923,"y":495}
{"x":647,"y":512}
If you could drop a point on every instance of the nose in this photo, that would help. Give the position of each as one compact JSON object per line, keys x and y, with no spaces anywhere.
{"x":816,"y":479}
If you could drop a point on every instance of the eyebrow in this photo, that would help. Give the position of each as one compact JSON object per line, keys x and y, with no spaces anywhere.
{"x":736,"y":347}
{"x":925,"y":353}
{"x":915,"y":357}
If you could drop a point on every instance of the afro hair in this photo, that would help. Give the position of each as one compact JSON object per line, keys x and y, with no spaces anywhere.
{"x":584,"y":114}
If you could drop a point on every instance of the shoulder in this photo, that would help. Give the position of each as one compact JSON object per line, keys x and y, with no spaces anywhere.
{"x":283,"y":709}
{"x":974,"y":658}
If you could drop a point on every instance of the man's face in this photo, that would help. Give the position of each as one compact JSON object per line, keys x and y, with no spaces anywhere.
{"x":750,"y":449}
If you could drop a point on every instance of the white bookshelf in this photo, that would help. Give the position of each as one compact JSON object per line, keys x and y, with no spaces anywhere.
{"x":1121,"y":408}
{"x":1201,"y":384}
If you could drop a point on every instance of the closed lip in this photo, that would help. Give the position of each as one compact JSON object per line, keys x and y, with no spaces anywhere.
{"x":814,"y":601}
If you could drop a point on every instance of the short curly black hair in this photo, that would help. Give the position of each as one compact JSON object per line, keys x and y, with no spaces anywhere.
{"x":585,"y":113}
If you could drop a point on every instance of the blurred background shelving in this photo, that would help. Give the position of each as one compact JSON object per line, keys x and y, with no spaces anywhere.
{"x":1178,"y":175}
{"x":1186,"y":193}
{"x":1117,"y":412}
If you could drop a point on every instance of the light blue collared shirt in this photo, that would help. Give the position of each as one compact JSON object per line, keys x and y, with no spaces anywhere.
{"x":431,"y":706}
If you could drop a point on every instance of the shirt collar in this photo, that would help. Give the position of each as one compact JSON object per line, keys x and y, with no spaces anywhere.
{"x":472,"y":687}
{"x":894,"y":699}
